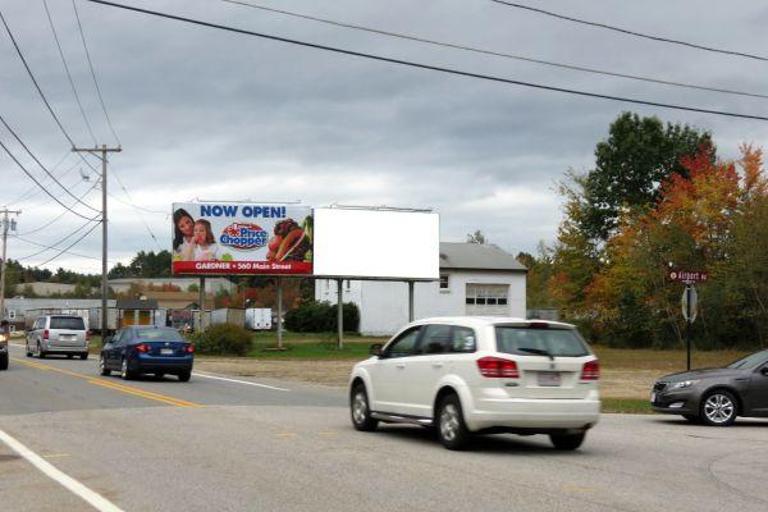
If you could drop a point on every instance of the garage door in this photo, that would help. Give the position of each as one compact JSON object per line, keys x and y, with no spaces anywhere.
{"x":487,"y":299}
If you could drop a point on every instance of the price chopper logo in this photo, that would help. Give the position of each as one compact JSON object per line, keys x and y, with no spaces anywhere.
{"x":243,"y":236}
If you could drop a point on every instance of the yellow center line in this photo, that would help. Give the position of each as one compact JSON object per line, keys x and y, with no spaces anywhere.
{"x":123,"y":388}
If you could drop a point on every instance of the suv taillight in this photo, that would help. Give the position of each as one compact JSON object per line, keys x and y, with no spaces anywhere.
{"x":46,"y":334}
{"x":591,"y":370}
{"x":87,"y":335}
{"x":142,"y":347}
{"x":496,"y":367}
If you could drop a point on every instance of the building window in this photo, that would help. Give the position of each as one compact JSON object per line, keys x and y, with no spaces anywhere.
{"x":11,"y":314}
{"x":443,"y":281}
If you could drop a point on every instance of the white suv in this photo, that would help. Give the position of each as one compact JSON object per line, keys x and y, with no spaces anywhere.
{"x":466,"y":375}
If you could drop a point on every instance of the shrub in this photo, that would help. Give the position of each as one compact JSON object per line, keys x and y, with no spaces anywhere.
{"x":223,"y":339}
{"x":321,"y":317}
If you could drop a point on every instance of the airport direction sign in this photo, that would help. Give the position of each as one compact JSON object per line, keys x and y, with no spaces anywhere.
{"x":688,"y":276}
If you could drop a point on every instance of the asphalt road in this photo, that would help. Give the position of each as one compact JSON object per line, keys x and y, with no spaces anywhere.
{"x":215,"y":445}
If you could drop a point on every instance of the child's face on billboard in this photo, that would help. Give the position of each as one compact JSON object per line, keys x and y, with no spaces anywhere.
{"x":200,"y":233}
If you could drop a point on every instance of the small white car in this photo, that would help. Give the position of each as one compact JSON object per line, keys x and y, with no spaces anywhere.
{"x":477,"y":375}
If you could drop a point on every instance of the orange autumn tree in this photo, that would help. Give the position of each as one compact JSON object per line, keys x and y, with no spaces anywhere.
{"x":691,"y":226}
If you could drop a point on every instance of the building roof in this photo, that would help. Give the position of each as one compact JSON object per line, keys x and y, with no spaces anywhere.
{"x":455,"y":255}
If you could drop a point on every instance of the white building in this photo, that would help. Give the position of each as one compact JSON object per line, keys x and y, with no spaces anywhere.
{"x":478,"y":280}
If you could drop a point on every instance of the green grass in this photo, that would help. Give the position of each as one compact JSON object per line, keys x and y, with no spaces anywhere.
{"x":626,"y":406}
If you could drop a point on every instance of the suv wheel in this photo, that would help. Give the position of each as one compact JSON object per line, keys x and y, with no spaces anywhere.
{"x":451,"y":429}
{"x":359,"y":410}
{"x":567,"y":442}
{"x":26,"y":349}
{"x":718,"y":409}
{"x":40,"y":353}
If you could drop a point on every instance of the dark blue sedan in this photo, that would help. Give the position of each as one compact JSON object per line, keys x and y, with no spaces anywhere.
{"x":144,"y":349}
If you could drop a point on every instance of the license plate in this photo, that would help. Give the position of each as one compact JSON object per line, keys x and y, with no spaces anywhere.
{"x":166,"y":351}
{"x":549,"y":378}
{"x":67,"y":337}
{"x":653,"y":397}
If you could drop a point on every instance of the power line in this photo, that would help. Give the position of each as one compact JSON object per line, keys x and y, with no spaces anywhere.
{"x":440,"y":69}
{"x":29,"y":174}
{"x":65,"y":250}
{"x":60,"y":241}
{"x":128,"y":195}
{"x":66,"y":68}
{"x":39,"y":89}
{"x":39,"y":163}
{"x":52,"y":248}
{"x":32,"y":190}
{"x":55,"y":219}
{"x":497,"y":53}
{"x":93,"y":74}
{"x":630,"y":32}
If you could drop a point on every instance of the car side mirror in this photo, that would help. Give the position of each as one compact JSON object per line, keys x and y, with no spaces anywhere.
{"x":376,"y":349}
{"x":764,"y":370}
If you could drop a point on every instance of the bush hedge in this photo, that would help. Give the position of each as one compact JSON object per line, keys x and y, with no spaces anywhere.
{"x":321,"y":317}
{"x":224,"y":339}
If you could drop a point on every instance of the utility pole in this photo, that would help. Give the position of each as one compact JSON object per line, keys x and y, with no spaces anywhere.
{"x":101,"y":153}
{"x":7,"y":224}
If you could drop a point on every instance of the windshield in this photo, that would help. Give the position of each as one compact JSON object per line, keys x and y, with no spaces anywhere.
{"x":158,"y":335}
{"x":74,"y":323}
{"x":749,"y":362}
{"x":541,"y":341}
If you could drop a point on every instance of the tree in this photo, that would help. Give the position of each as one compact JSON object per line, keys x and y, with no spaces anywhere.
{"x":476,"y":238}
{"x":639,"y":155}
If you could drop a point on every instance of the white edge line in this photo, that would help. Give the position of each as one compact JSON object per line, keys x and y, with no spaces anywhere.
{"x":96,"y":500}
{"x":237,"y":381}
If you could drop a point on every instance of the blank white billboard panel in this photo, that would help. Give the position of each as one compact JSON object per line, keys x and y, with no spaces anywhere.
{"x":376,"y":244}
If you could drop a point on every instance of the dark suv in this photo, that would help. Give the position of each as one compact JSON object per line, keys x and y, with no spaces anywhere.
{"x":716,"y":396}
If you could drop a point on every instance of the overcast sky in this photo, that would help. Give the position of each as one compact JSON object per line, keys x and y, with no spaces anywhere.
{"x":207,"y":114}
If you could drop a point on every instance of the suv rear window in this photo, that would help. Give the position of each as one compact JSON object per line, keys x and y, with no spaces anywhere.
{"x":73,"y":323}
{"x":540,"y":341}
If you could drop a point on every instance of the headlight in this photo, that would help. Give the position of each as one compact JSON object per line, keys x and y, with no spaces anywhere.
{"x":682,"y":385}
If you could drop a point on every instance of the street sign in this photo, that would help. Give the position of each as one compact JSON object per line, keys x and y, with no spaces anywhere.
{"x":688,"y":276}
{"x":690,"y":304}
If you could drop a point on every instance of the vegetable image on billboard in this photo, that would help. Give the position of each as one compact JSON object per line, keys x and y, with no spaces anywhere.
{"x":238,"y":239}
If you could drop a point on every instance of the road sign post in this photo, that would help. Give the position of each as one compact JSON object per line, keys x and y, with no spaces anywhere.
{"x":690,"y":302}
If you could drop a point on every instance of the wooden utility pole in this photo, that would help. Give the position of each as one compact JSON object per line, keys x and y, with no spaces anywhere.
{"x":7,"y":224}
{"x":101,"y":154}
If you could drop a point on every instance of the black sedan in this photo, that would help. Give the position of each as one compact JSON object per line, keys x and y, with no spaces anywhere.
{"x":157,"y":350}
{"x":716,"y":396}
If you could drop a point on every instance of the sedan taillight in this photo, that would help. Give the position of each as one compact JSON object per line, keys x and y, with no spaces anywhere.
{"x":142,"y":347}
{"x":591,"y":370}
{"x":189,"y":349}
{"x":498,"y":368}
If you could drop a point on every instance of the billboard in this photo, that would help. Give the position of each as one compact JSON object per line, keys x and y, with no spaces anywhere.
{"x":241,"y":238}
{"x":376,"y":243}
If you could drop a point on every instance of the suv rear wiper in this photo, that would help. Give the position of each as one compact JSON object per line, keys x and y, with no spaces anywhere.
{"x":537,"y":351}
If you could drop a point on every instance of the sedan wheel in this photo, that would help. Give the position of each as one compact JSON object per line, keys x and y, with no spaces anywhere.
{"x":718,"y":409}
{"x":103,"y":367}
{"x":125,"y":373}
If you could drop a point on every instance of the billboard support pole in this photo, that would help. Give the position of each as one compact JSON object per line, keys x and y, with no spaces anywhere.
{"x":410,"y":301}
{"x":201,"y":298}
{"x":279,"y":285}
{"x":340,"y":312}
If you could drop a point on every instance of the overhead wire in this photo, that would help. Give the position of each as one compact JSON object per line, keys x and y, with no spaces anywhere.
{"x":128,"y":195}
{"x":45,"y":189}
{"x":49,"y":248}
{"x":34,"y":189}
{"x":69,"y":74}
{"x":40,"y":164}
{"x":66,"y":249}
{"x":631,"y":32}
{"x":93,"y":74}
{"x":60,"y":241}
{"x":40,"y":90}
{"x":55,"y":219}
{"x":430,"y":67}
{"x":495,"y":53}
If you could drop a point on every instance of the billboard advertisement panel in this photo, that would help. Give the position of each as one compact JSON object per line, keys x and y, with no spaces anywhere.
{"x":376,"y":243}
{"x":241,"y":238}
